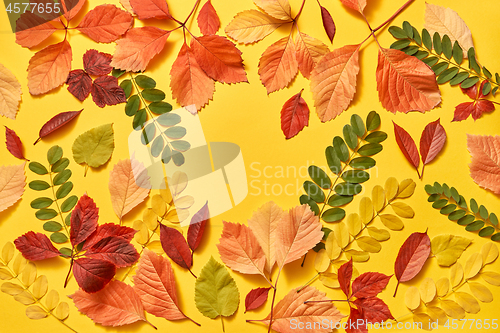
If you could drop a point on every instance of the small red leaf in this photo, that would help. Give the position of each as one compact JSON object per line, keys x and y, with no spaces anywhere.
{"x":79,"y":84}
{"x":208,"y":20}
{"x":328,"y":23}
{"x":374,"y":310}
{"x":83,"y":220}
{"x":14,"y":144}
{"x":93,"y":274}
{"x":345,"y":276}
{"x":369,"y":284}
{"x":106,"y":230}
{"x":36,"y":246}
{"x":482,"y":106}
{"x":145,"y":9}
{"x":256,"y":298}
{"x":97,"y":63}
{"x":356,"y":323}
{"x":106,"y":91}
{"x":407,"y":145}
{"x":463,"y":111}
{"x":481,"y":90}
{"x":175,"y":246}
{"x":294,"y":115}
{"x":114,"y":249}
{"x":57,"y":122}
{"x":432,"y":141}
{"x":197,"y":227}
{"x":105,"y":23}
{"x":471,"y":91}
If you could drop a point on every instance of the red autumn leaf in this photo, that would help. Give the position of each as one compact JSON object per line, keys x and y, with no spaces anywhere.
{"x":114,"y":249}
{"x":369,"y":284}
{"x":106,"y":230}
{"x":135,"y":50}
{"x":407,"y":145}
{"x":71,"y":8}
{"x":175,"y":246}
{"x":83,"y":220}
{"x":36,"y":246}
{"x":189,"y":83}
{"x":345,"y":275}
{"x":219,"y":58}
{"x":197,"y":227}
{"x":57,"y":122}
{"x":32,"y":29}
{"x":358,"y":5}
{"x":476,"y":108}
{"x":105,"y":23}
{"x":405,"y":83}
{"x":14,"y":144}
{"x":256,"y":298}
{"x":97,"y":63}
{"x":294,"y":115}
{"x":93,"y":274}
{"x":79,"y":84}
{"x":106,"y":91}
{"x":145,"y":9}
{"x":49,"y":68}
{"x":471,"y":91}
{"x":356,"y":323}
{"x":116,"y":305}
{"x":328,"y":23}
{"x":373,"y":309}
{"x":411,"y":257}
{"x":309,"y":52}
{"x":208,"y":20}
{"x":278,"y":65}
{"x":432,"y":141}
{"x":485,"y":163}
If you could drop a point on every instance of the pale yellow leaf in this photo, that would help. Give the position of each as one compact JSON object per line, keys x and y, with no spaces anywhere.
{"x":392,"y":221}
{"x":423,"y":320}
{"x":428,"y":290}
{"x":177,"y":215}
{"x":338,"y":263}
{"x":446,"y":21}
{"x":40,"y":286}
{"x":467,"y":302}
{"x":473,"y":265}
{"x":19,"y":263}
{"x":12,"y":182}
{"x":378,"y":198}
{"x":11,"y":288}
{"x":412,"y":298}
{"x":391,"y":188}
{"x":177,"y":183}
{"x":309,"y":51}
{"x":10,"y":93}
{"x":322,"y":262}
{"x":35,"y":312}
{"x":406,"y":188}
{"x":166,"y":195}
{"x":159,"y":206}
{"x":184,"y":202}
{"x":437,"y":315}
{"x":156,"y":247}
{"x":142,"y":234}
{"x":279,"y":9}
{"x":353,"y":224}
{"x":368,"y":244}
{"x":489,"y":251}
{"x":403,"y":210}
{"x":341,"y":234}
{"x":52,"y":299}
{"x":8,"y":251}
{"x":452,"y":309}
{"x":448,"y":248}
{"x":357,"y":256}
{"x":28,"y":276}
{"x":251,"y":26}
{"x":150,"y":218}
{"x":491,"y":277}
{"x":333,"y":250}
{"x":5,"y":274}
{"x":379,"y":234}
{"x":442,"y":286}
{"x":62,"y":311}
{"x":456,"y":274}
{"x":24,"y":298}
{"x":366,"y":210}
{"x":481,"y":292}
{"x":329,"y":280}
{"x":128,"y":186}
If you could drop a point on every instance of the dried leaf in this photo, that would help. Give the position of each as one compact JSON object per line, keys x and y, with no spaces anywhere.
{"x":322,"y":261}
{"x":56,"y":123}
{"x":10,"y":93}
{"x":492,"y":278}
{"x":94,"y":147}
{"x":278,"y":65}
{"x":369,"y":284}
{"x":484,"y":168}
{"x":71,"y":8}
{"x":106,"y":230}
{"x":328,"y":23}
{"x":250,"y":26}
{"x":279,"y":9}
{"x":437,"y":315}
{"x":145,"y":9}
{"x":294,"y":116}
{"x":175,"y":246}
{"x":333,"y":81}
{"x":403,"y":210}
{"x":489,"y":251}
{"x":12,"y":183}
{"x":32,"y":29}
{"x":83,"y":220}
{"x":14,"y":144}
{"x":477,"y":108}
{"x":309,"y":51}
{"x":106,"y":91}
{"x":105,"y":23}
{"x":374,"y":310}
{"x":432,"y":141}
{"x":35,"y":312}
{"x":79,"y":84}
{"x":481,"y":292}
{"x":97,"y":63}
{"x":452,"y":309}
{"x":442,"y":286}
{"x":256,"y":298}
{"x":473,"y":265}
{"x":36,"y":246}
{"x":456,"y":274}
{"x":358,"y":5}
{"x":407,"y":145}
{"x":345,"y":275}
{"x":467,"y":302}
{"x":422,"y":320}
{"x":208,"y":20}
{"x":448,"y":248}
{"x":114,"y":249}
{"x":197,"y":227}
{"x":412,"y":298}
{"x":428,"y":290}
{"x":93,"y":275}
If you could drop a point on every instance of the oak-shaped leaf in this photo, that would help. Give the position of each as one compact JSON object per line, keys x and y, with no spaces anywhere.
{"x":93,"y":275}
{"x":83,"y":220}
{"x":175,"y":246}
{"x":294,"y":115}
{"x":256,"y":298}
{"x":57,"y":122}
{"x":12,"y":183}
{"x":208,"y":20}
{"x":197,"y":227}
{"x":485,"y":165}
{"x":105,"y":23}
{"x":106,"y":91}
{"x":10,"y":93}
{"x":36,"y":246}
{"x":14,"y":144}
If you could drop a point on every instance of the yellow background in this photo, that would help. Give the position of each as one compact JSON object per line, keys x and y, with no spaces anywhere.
{"x":246,"y":115}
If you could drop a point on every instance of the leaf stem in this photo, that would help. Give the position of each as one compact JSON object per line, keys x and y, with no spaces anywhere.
{"x":156,"y":328}
{"x":328,"y":300}
{"x":308,"y":282}
{"x":300,"y":11}
{"x":393,"y":16}
{"x":222,"y":321}
{"x":274,"y":299}
{"x":189,"y":269}
{"x":69,"y":272}
{"x":57,"y":204}
{"x":191,"y":13}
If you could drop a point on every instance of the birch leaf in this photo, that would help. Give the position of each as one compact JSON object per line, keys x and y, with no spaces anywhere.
{"x":448,"y":248}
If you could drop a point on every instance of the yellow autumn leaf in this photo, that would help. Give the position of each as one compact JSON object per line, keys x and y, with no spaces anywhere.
{"x":467,"y":302}
{"x":150,"y":218}
{"x":489,"y":251}
{"x":368,"y":244}
{"x":322,"y":262}
{"x":448,"y":248}
{"x":35,"y":312}
{"x":353,"y":224}
{"x":128,"y":186}
{"x":51,"y":300}
{"x":491,"y":277}
{"x":166,"y":195}
{"x":365,"y":210}
{"x":403,"y":210}
{"x":392,"y":221}
{"x":452,"y":309}
{"x":378,"y":198}
{"x":177,"y":183}
{"x":406,"y":188}
{"x":357,"y":256}
{"x":94,"y":147}
{"x":28,"y":275}
{"x":279,"y":9}
{"x":251,"y":26}
{"x":8,"y":251}
{"x":40,"y":286}
{"x":456,"y":274}
{"x":412,"y":298}
{"x":333,"y":250}
{"x":481,"y":292}
{"x":61,"y":311}
{"x":473,"y":265}
{"x":184,"y":202}
{"x":341,"y":234}
{"x":329,"y":280}
{"x":19,"y":264}
{"x":11,"y":288}
{"x":12,"y":183}
{"x":428,"y":290}
{"x":379,"y":234}
{"x":442,"y":286}
{"x":391,"y":188}
{"x":158,"y":205}
{"x":423,"y":320}
{"x":156,"y":247}
{"x":5,"y":274}
{"x":437,"y":315}
{"x":24,"y":298}
{"x":10,"y":93}
{"x":309,"y":51}
{"x":142,"y":234}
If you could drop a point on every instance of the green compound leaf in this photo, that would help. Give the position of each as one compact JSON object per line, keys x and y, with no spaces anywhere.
{"x":448,"y":209}
{"x":148,"y":133}
{"x":400,"y":44}
{"x":64,"y":190}
{"x":333,"y":160}
{"x":430,"y":61}
{"x":58,"y":238}
{"x":333,"y":215}
{"x":127,"y":86}
{"x":40,"y":203}
{"x":319,"y":177}
{"x":458,"y":53}
{"x":397,"y":32}
{"x":176,"y":132}
{"x":376,"y":137}
{"x":459,"y":78}
{"x":54,"y":154}
{"x":340,"y":149}
{"x":370,"y":149}
{"x":132,"y":105}
{"x":153,"y":95}
{"x":66,"y":252}
{"x":439,"y":68}
{"x":52,"y":226}
{"x":358,"y":126}
{"x":467,"y":83}
{"x":145,"y":82}
{"x":38,"y":168}
{"x":447,"y":75}
{"x":362,"y":163}
{"x":348,"y":189}
{"x":447,"y":48}
{"x":178,"y":158}
{"x":160,"y":107}
{"x":339,"y":200}
{"x":436,"y":38}
{"x":169,"y":119}
{"x":355,"y":176}
{"x":157,"y":146}
{"x":304,"y":199}
{"x":215,"y":291}
{"x":60,"y":165}
{"x":139,"y":119}
{"x":372,"y":121}
{"x":314,"y":191}
{"x":350,"y":137}
{"x":180,"y":145}
{"x":94,"y":147}
{"x":485,"y":232}
{"x":69,"y":203}
{"x":39,"y":185}
{"x":166,"y":155}
{"x":426,"y":39}
{"x":408,"y":29}
{"x":62,"y":177}
{"x":45,"y":214}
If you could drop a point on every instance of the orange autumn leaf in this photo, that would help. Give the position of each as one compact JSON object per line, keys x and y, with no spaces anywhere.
{"x":12,"y":183}
{"x":128,"y":186}
{"x":252,"y":25}
{"x":105,"y":23}
{"x":71,"y":8}
{"x":485,"y":164}
{"x":294,"y":115}
{"x":49,"y":68}
{"x":188,"y":82}
{"x":145,"y":9}
{"x":208,"y":20}
{"x":136,"y":49}
{"x":279,"y":9}
{"x":128,"y":7}
{"x":10,"y":93}
{"x":278,"y":65}
{"x":219,"y":58}
{"x":333,"y":81}
{"x":405,"y":83}
{"x":32,"y":29}
{"x":358,"y":5}
{"x":309,"y":51}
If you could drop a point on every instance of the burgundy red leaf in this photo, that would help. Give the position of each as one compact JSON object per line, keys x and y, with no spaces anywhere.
{"x":106,"y":91}
{"x":432,"y":141}
{"x":373,"y":309}
{"x":369,"y":284}
{"x":345,"y":275}
{"x":175,"y":246}
{"x":115,"y":249}
{"x":197,"y":227}
{"x":56,"y":123}
{"x":328,"y":23}
{"x":356,"y":323}
{"x":97,"y":63}
{"x":294,"y":115}
{"x":476,"y":108}
{"x":79,"y":84}
{"x":14,"y":144}
{"x":83,"y":220}
{"x":407,"y":145}
{"x":93,"y":275}
{"x":256,"y":298}
{"x":106,"y":230}
{"x":36,"y":246}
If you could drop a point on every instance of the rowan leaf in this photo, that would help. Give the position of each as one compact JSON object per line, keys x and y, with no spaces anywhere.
{"x":10,"y":93}
{"x":49,"y":68}
{"x":175,"y":246}
{"x":116,"y":305}
{"x":404,"y":83}
{"x":135,"y":50}
{"x":208,"y":20}
{"x":374,"y":310}
{"x":105,"y":23}
{"x":83,"y":220}
{"x":189,"y":83}
{"x":256,"y":298}
{"x":448,"y":248}
{"x":333,"y":81}
{"x":369,"y":284}
{"x":93,"y":275}
{"x":345,"y":275}
{"x":219,"y":58}
{"x":279,"y":9}
{"x":36,"y":246}
{"x":56,"y":122}
{"x":12,"y":183}
{"x":215,"y":291}
{"x":328,"y":23}
{"x":71,"y":8}
{"x":129,"y":185}
{"x":154,"y":282}
{"x":250,"y":26}
{"x":79,"y":84}
{"x":432,"y":141}
{"x":145,"y":9}
{"x":407,"y":145}
{"x":197,"y":227}
{"x":106,"y":91}
{"x":14,"y":144}
{"x":94,"y":147}
{"x":292,"y":307}
{"x":114,"y":249}
{"x":294,"y":116}
{"x":278,"y":65}
{"x":309,"y":51}
{"x":358,"y":5}
{"x":484,"y":167}
{"x":32,"y":29}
